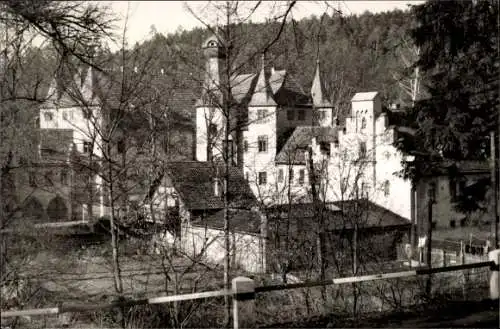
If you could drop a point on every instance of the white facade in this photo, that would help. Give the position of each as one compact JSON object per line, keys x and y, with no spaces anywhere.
{"x":86,"y":121}
{"x":366,"y":162}
{"x":85,"y":132}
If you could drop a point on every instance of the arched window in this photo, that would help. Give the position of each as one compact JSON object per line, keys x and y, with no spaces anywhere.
{"x":387,"y":187}
{"x":363,"y":123}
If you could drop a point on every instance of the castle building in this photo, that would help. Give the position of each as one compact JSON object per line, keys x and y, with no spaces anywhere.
{"x":279,"y":132}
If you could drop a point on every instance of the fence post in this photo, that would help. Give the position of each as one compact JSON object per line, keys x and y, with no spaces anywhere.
{"x":494,"y":256}
{"x":243,"y":302}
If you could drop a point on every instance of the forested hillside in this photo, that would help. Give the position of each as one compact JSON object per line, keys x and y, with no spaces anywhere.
{"x":357,"y":53}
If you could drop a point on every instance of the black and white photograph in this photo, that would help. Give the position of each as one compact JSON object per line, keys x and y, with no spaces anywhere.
{"x":249,"y":164}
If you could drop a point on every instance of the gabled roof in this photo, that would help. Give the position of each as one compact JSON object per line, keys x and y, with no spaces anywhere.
{"x":366,"y":96}
{"x":194,"y":182}
{"x":293,"y":152}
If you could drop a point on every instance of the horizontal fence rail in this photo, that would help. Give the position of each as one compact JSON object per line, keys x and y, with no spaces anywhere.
{"x":220,"y":293}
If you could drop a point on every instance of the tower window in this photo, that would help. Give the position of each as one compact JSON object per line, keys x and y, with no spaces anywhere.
{"x":261,"y":114}
{"x":290,"y":115}
{"x":245,"y":145}
{"x":387,"y":186}
{"x":262,"y":178}
{"x":262,"y":141}
{"x":363,"y":123}
{"x":362,"y":149}
{"x":302,"y":115}
{"x":87,"y":114}
{"x":280,"y":175}
{"x":87,"y":147}
{"x":212,"y":130}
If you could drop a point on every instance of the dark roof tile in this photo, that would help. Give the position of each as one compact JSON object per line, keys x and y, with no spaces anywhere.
{"x":293,"y":152}
{"x":194,"y":181}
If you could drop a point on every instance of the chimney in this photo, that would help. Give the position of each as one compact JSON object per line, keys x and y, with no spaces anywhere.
{"x":217,"y":187}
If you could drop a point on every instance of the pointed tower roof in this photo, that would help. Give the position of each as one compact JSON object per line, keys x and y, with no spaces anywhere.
{"x":317,"y":90}
{"x":262,"y":95}
{"x":87,"y":86}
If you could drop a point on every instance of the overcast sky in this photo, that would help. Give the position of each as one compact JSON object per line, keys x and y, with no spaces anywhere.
{"x":169,"y":16}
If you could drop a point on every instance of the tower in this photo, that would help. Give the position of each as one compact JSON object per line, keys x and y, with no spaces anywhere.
{"x":323,"y":110}
{"x":209,"y":116}
{"x":260,"y":137}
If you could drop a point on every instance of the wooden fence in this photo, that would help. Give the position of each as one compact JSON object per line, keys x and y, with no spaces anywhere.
{"x":243,"y":292}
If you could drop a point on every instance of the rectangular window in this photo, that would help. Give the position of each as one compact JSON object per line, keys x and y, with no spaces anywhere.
{"x":453,"y":223}
{"x":302,"y":115}
{"x":245,"y":145}
{"x":322,"y":115}
{"x":290,"y":172}
{"x":262,"y":140}
{"x":261,"y":114}
{"x":362,"y":149}
{"x":387,"y":186}
{"x":290,"y":115}
{"x":325,"y":148}
{"x":65,"y":115}
{"x":302,"y":175}
{"x":433,"y":191}
{"x":87,"y":114}
{"x":48,"y":116}
{"x":280,"y":175}
{"x":263,"y":178}
{"x":87,"y":147}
